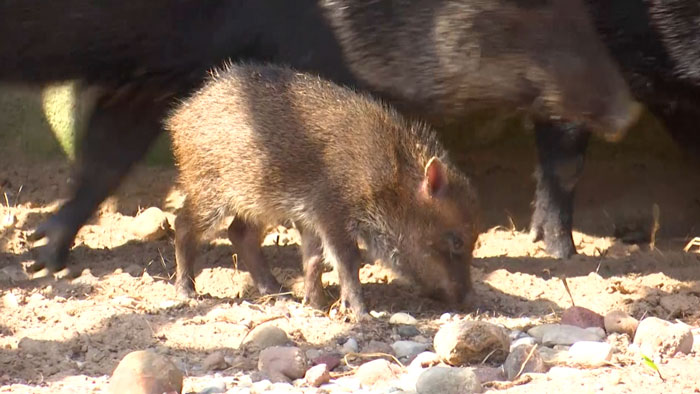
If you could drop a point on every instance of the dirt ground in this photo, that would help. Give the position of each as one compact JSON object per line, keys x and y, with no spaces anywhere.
{"x":68,"y":336}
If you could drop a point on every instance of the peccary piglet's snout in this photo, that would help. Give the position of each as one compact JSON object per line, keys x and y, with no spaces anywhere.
{"x":268,"y":144}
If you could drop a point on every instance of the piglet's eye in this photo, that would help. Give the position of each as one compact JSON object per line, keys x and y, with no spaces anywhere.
{"x":455,"y":242}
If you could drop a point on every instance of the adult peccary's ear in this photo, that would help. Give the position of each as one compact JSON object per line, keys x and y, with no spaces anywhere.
{"x":435,"y":179}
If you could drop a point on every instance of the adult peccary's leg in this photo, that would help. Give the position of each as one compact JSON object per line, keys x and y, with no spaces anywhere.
{"x":120,"y":131}
{"x":561,"y":152}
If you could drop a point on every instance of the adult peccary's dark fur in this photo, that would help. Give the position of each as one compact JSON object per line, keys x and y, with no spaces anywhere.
{"x":657,"y":45}
{"x":432,"y":59}
{"x":268,"y":144}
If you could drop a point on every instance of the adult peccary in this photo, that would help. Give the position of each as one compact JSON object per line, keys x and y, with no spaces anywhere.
{"x":433,"y":59}
{"x":657,"y":45}
{"x":268,"y":144}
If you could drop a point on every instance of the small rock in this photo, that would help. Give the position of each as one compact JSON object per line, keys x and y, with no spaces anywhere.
{"x":150,"y":225}
{"x":317,"y":375}
{"x":582,"y":317}
{"x":408,"y":349}
{"x":282,"y":364}
{"x":445,"y":317}
{"x":376,"y":373}
{"x":620,"y":322}
{"x":467,"y":342}
{"x":656,"y":337}
{"x":402,"y":318}
{"x":590,"y":354}
{"x":522,"y":341}
{"x":597,"y":331}
{"x":407,"y":331}
{"x":554,"y":357}
{"x":350,"y":346}
{"x":332,"y":360}
{"x":375,"y":346}
{"x":266,"y":336}
{"x":515,"y":334}
{"x":10,"y":301}
{"x":448,"y":380}
{"x":214,"y":362}
{"x":422,"y":339}
{"x":424,"y":360}
{"x":562,"y":334}
{"x":484,"y":373}
{"x":311,"y":354}
{"x":537,"y":332}
{"x":145,"y":372}
{"x":515,"y":360}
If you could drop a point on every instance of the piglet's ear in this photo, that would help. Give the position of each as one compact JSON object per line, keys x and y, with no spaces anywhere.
{"x":435,"y":179}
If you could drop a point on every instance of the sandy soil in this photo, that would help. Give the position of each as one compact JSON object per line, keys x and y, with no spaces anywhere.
{"x":68,"y":336}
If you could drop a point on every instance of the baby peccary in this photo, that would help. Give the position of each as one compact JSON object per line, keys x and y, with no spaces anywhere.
{"x":268,"y":144}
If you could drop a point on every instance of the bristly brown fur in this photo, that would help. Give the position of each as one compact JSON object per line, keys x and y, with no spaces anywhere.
{"x":267,"y":143}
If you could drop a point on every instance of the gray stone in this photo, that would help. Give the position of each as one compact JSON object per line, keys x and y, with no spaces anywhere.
{"x":466,"y":342}
{"x":518,"y":362}
{"x":537,"y":332}
{"x":620,"y":322}
{"x":448,"y":380}
{"x":553,"y":357}
{"x":313,"y":353}
{"x":515,"y":334}
{"x":408,"y":348}
{"x":562,"y":334}
{"x":590,"y":354}
{"x":656,"y":337}
{"x":350,"y":346}
{"x":214,"y":362}
{"x":486,"y":373}
{"x":378,"y":347}
{"x":407,"y":331}
{"x":266,"y":336}
{"x":282,"y":364}
{"x":522,"y":341}
{"x":402,"y":318}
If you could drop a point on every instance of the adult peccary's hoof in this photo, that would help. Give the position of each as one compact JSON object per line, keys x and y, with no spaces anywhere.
{"x":54,"y":255}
